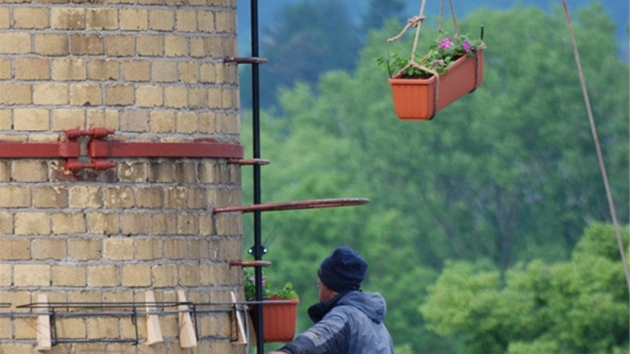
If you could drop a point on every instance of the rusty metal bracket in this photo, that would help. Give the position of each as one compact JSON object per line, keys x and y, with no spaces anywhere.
{"x":245,"y":60}
{"x":301,"y":204}
{"x":88,"y":149}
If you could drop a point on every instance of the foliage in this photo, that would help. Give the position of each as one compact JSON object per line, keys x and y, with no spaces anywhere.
{"x":268,"y":291}
{"x":441,"y":54}
{"x":538,"y":308}
{"x":507,"y":174}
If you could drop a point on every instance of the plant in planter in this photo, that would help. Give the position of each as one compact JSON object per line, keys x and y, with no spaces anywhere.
{"x":279,"y":307}
{"x":452,"y":67}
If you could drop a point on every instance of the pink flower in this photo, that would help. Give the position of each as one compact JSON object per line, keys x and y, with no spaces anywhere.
{"x":446,"y":43}
{"x":466,"y":45}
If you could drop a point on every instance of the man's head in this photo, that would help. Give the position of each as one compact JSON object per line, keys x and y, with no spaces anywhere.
{"x":341,"y":272}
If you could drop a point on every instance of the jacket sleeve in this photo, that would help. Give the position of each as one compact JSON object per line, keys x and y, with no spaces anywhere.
{"x":330,"y":335}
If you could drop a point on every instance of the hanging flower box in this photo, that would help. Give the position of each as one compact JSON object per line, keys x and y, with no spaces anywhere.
{"x":279,"y":319}
{"x":422,"y":98}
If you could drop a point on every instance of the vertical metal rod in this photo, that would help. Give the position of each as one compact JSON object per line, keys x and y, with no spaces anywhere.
{"x":258,"y":248}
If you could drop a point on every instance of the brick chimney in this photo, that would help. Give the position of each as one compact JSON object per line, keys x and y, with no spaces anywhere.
{"x":150,"y":71}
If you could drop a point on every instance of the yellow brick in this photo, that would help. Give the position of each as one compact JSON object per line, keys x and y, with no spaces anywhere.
{"x":150,"y":45}
{"x":119,"y":95}
{"x":136,"y":70}
{"x":206,"y":122}
{"x":148,"y":197}
{"x":118,"y":248}
{"x":187,"y":72}
{"x":102,"y":19}
{"x":175,"y":96}
{"x":162,"y":121}
{"x":68,"y":223}
{"x":197,"y":97}
{"x":103,"y":224}
{"x":149,"y":96}
{"x":15,"y":94}
{"x":120,"y":46}
{"x":148,"y":249}
{"x":164,"y":275}
{"x":176,"y":46}
{"x":17,"y":348}
{"x":102,"y":118}
{"x":51,"y":44}
{"x":5,"y":280}
{"x":102,"y":70}
{"x":186,"y":122}
{"x":205,"y":21}
{"x":32,"y":223}
{"x":32,"y":69}
{"x":80,"y":249}
{"x":86,"y":44}
{"x":164,"y":71}
{"x":215,"y":97}
{"x":102,"y":327}
{"x":31,"y":18}
{"x":133,"y":19}
{"x":50,"y":197}
{"x":15,"y":43}
{"x":31,"y":119}
{"x":163,"y":224}
{"x":103,"y":275}
{"x":5,"y":19}
{"x":85,"y":197}
{"x":198,"y":47}
{"x":15,"y":197}
{"x":162,"y":20}
{"x":188,"y":275}
{"x":50,"y":94}
{"x":119,"y":197}
{"x":207,"y":73}
{"x":5,"y":124}
{"x":69,"y":70}
{"x":132,"y":172}
{"x":187,"y":224}
{"x":71,"y":327}
{"x":163,"y":172}
{"x":15,"y":249}
{"x":24,"y":328}
{"x":31,"y":275}
{"x":86,"y":95}
{"x":186,"y":20}
{"x":134,"y":121}
{"x":134,"y":224}
{"x":5,"y":69}
{"x":135,"y":275}
{"x":49,"y":248}
{"x":175,"y":249}
{"x":225,"y":22}
{"x":6,"y":223}
{"x":67,"y":18}
{"x":30,"y":171}
{"x":67,"y":119}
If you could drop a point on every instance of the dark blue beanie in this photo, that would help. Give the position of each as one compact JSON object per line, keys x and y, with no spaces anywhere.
{"x":343,"y":270}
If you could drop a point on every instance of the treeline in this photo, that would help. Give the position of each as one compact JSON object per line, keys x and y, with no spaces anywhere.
{"x":501,"y":184}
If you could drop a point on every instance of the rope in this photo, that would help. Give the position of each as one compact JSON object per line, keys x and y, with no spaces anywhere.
{"x":600,"y":158}
{"x":450,"y":4}
{"x":412,"y":22}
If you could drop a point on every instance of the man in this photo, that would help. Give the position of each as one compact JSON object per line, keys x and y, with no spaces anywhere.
{"x":347,"y":320}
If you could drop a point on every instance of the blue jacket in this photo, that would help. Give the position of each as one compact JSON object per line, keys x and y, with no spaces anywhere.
{"x":350,"y":323}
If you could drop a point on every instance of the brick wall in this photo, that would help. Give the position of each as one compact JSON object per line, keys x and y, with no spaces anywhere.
{"x":151,"y":70}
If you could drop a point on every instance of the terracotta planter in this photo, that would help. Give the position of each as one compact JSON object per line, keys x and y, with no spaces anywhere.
{"x":279,"y":317}
{"x":420,"y":99}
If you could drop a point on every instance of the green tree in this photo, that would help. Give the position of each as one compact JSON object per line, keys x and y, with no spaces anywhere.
{"x":578,"y":306}
{"x":507,"y":173}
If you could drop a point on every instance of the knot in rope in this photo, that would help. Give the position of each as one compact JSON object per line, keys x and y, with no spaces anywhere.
{"x":412,"y":22}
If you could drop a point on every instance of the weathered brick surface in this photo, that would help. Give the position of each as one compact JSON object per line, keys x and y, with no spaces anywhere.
{"x":152,"y":70}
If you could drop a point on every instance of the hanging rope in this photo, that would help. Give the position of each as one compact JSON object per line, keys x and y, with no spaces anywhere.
{"x":600,"y":158}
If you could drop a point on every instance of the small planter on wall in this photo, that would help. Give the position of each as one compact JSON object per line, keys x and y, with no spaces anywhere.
{"x":279,"y":318}
{"x":421,"y":99}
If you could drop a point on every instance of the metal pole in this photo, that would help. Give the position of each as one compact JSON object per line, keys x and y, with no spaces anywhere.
{"x":258,"y":248}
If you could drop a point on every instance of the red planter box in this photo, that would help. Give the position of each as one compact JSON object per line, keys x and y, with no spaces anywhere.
{"x":420,"y":99}
{"x":279,"y":317}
